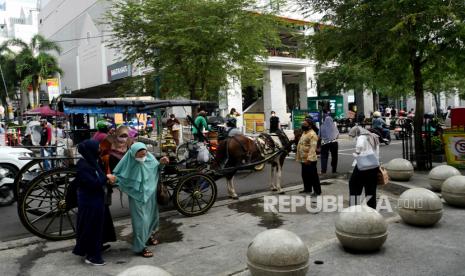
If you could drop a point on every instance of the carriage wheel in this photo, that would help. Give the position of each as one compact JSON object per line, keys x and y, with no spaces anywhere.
{"x":195,"y":194}
{"x":42,"y":208}
{"x":182,"y":152}
{"x":30,"y":171}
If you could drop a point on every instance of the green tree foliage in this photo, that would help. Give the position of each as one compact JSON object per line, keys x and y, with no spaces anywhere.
{"x":35,"y":63}
{"x":399,"y":40}
{"x":194,"y":44}
{"x":8,"y":64}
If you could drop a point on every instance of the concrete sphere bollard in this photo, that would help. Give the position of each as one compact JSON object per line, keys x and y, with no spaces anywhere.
{"x":439,"y":174}
{"x":144,"y":270}
{"x":361,"y":228}
{"x":399,"y":169}
{"x":453,"y":190}
{"x":277,"y":252}
{"x":420,"y":206}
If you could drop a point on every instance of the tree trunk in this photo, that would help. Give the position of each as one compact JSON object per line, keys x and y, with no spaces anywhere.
{"x":37,"y":96}
{"x":193,"y":96}
{"x":359,"y":101}
{"x":437,"y":102}
{"x":420,"y":155}
{"x":375,"y":101}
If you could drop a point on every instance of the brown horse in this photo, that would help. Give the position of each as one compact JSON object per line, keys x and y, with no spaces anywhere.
{"x":241,"y":152}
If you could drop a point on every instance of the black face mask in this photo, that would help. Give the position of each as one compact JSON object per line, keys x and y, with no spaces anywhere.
{"x":305,"y":128}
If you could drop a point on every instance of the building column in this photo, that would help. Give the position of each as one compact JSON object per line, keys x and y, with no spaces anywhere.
{"x":274,"y":96}
{"x":231,"y":97}
{"x":307,"y":87}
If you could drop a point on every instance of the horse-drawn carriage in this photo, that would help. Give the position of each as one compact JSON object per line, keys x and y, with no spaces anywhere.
{"x":41,"y":193}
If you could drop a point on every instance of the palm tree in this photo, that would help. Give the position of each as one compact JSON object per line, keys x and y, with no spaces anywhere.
{"x":35,"y":63}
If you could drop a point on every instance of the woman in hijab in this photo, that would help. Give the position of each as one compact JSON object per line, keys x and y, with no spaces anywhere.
{"x":94,"y":225}
{"x":366,"y":143}
{"x":137,"y":175}
{"x":329,"y":134}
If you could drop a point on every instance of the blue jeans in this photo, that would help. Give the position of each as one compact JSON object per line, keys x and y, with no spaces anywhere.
{"x":386,"y":133}
{"x":44,"y":152}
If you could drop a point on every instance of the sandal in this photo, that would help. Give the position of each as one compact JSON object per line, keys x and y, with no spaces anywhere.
{"x":146,"y":253}
{"x":152,"y":241}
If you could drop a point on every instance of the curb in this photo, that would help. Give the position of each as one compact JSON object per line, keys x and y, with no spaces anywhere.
{"x":395,"y":187}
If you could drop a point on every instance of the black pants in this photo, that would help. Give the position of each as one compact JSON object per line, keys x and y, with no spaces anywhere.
{"x":325,"y":150}
{"x":310,"y":178}
{"x":363,"y":179}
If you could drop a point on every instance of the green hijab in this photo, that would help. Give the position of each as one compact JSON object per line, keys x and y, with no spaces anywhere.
{"x":138,"y":180}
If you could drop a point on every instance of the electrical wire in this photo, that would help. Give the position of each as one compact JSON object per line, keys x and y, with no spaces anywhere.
{"x":76,"y":39}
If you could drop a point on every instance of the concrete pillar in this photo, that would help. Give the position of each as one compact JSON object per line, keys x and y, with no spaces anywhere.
{"x":274,"y":97}
{"x":231,"y":97}
{"x":367,"y":103}
{"x":456,"y":100}
{"x":307,"y":86}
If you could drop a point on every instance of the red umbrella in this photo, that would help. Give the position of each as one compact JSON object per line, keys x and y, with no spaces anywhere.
{"x":44,"y":111}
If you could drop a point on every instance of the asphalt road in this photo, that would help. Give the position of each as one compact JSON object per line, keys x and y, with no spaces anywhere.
{"x":246,"y":183}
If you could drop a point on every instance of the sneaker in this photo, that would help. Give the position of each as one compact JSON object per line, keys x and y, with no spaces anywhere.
{"x":314,"y":195}
{"x":94,"y":262}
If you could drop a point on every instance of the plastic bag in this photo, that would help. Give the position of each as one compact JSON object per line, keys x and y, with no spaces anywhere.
{"x":202,"y":153}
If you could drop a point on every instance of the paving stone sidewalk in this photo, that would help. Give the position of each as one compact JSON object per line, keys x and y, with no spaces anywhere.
{"x":216,"y":243}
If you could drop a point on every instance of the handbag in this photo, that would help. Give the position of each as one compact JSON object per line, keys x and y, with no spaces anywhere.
{"x":383,"y":177}
{"x":163,"y":195}
{"x":366,"y":161}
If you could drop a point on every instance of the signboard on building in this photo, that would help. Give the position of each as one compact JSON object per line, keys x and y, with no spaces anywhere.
{"x":298,"y":116}
{"x":119,"y":70}
{"x":53,"y":88}
{"x":455,"y":149}
{"x":333,"y":104}
{"x":254,"y":122}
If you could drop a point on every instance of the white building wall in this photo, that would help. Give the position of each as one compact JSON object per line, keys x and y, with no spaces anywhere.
{"x":19,"y":20}
{"x":84,"y":57}
{"x":274,"y":98}
{"x":430,"y":106}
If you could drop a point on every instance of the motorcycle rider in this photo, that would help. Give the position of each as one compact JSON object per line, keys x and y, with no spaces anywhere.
{"x":380,"y":125}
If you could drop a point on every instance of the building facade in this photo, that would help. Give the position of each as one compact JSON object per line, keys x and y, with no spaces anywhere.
{"x":289,"y":78}
{"x":18,"y":19}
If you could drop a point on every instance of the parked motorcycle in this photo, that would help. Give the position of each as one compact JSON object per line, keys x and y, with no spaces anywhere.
{"x":7,"y":196}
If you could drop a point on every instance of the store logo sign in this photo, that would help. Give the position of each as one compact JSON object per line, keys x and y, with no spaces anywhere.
{"x":119,"y":70}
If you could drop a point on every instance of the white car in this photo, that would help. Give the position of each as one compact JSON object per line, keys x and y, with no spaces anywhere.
{"x":9,"y":159}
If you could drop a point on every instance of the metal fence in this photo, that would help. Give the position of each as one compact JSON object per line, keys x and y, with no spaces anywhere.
{"x":408,"y":144}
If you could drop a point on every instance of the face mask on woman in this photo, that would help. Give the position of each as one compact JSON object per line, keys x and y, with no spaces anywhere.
{"x":141,"y":159}
{"x":305,"y":128}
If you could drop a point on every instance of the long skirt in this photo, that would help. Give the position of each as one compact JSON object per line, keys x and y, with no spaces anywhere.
{"x":94,"y":227}
{"x":144,"y":219}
